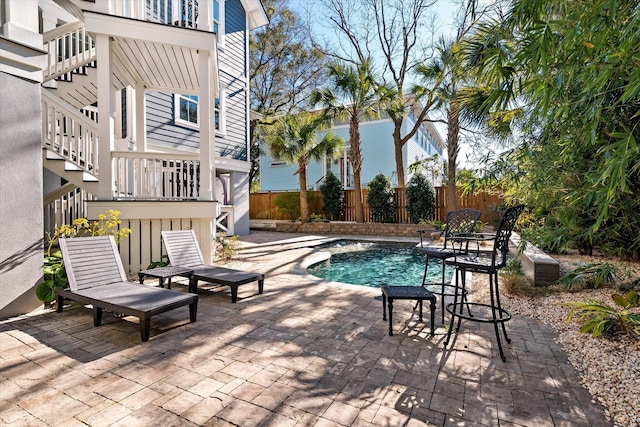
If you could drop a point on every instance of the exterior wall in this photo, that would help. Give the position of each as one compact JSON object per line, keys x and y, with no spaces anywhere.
{"x":231,"y":142}
{"x":376,"y":139}
{"x":162,"y":130}
{"x":21,"y":251}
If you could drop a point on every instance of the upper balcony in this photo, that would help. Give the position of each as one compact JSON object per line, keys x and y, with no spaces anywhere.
{"x":179,"y":13}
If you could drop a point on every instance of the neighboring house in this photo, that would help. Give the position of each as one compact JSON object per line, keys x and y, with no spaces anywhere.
{"x":376,"y":141}
{"x":102,"y":108}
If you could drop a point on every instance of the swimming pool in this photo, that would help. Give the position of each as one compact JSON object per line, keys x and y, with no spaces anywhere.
{"x":375,"y":264}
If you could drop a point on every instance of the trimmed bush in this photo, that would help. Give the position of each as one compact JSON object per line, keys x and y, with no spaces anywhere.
{"x":332,"y":196}
{"x":380,"y":199}
{"x":421,"y":199}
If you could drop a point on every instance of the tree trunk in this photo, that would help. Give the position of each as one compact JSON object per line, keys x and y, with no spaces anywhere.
{"x":397,"y":142}
{"x":304,"y":199}
{"x":355,"y":155}
{"x":453,"y":131}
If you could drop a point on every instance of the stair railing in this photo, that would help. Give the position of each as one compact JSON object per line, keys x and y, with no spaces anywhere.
{"x":63,"y":206}
{"x":69,"y":134}
{"x":69,"y":47}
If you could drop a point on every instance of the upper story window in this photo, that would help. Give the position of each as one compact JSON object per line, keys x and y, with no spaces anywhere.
{"x":187,"y":113}
{"x":218,"y":20}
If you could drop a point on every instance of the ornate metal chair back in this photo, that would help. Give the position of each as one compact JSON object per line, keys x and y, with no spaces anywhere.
{"x":503,"y":234}
{"x":460,"y":221}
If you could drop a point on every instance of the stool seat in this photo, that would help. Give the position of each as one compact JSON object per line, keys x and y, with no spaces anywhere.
{"x":390,"y":293}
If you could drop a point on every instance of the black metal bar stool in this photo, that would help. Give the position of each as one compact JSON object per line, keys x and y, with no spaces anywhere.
{"x":487,"y":313}
{"x":459,"y":222}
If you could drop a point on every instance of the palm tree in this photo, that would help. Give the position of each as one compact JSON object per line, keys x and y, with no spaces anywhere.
{"x":294,"y":140}
{"x":445,"y":77}
{"x":352,"y":92}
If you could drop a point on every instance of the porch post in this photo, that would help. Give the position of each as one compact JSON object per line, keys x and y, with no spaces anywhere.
{"x":207,"y":132}
{"x":140,"y":122}
{"x":106,"y":117}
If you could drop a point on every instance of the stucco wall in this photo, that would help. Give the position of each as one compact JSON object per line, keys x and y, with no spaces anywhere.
{"x":21,"y":221}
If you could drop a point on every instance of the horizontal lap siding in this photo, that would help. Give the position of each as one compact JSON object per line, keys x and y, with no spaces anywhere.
{"x":161,"y":127}
{"x":233,"y":77}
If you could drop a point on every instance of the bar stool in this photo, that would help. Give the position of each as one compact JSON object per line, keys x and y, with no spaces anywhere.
{"x":492,"y":312}
{"x":459,"y":222}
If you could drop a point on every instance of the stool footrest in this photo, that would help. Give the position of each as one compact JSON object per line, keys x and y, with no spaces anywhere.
{"x":456,"y":310}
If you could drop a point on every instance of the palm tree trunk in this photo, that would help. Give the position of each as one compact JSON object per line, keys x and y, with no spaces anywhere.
{"x":398,"y":152}
{"x":304,"y":199}
{"x":356,"y":161}
{"x":453,"y":131}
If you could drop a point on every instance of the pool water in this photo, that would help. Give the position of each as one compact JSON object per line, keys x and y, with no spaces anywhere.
{"x":376,"y":264}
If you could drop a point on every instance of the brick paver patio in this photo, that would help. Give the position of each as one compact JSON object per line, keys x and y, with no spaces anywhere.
{"x":305,"y":353}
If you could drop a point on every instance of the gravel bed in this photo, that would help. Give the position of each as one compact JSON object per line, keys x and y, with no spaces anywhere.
{"x":609,"y":367}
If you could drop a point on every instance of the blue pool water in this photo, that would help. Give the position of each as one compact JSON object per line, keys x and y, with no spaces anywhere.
{"x":375,"y":264}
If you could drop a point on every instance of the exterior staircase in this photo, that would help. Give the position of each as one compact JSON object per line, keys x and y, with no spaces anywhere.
{"x":141,"y":182}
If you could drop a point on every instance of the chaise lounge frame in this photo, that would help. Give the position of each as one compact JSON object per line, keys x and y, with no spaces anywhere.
{"x":96,"y":276}
{"x":183,"y":251}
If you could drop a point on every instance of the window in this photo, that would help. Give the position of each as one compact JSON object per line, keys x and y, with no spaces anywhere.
{"x":218,"y":20}
{"x":186,"y":111}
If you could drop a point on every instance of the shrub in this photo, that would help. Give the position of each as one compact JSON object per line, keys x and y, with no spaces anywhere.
{"x":318,"y":218}
{"x":289,"y":204}
{"x":380,"y":199}
{"x":600,"y":318}
{"x":226,"y":247}
{"x":54,"y":274}
{"x":590,"y":275}
{"x":421,"y":199}
{"x":332,"y":196}
{"x":513,"y":279}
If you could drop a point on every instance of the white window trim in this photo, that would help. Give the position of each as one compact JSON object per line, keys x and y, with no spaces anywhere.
{"x":222,"y":111}
{"x":221,"y":24}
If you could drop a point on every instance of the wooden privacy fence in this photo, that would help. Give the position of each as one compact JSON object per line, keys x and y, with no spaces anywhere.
{"x":262,"y":205}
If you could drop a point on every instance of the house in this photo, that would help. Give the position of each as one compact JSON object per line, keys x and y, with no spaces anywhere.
{"x":102,"y":108}
{"x":376,"y":139}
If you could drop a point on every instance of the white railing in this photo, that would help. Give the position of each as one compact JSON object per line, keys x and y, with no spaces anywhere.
{"x":225,"y":221}
{"x":182,"y":13}
{"x":69,"y":47}
{"x":69,"y":134}
{"x":63,"y":206}
{"x":159,"y":176}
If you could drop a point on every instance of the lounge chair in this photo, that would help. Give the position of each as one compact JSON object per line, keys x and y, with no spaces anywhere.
{"x":183,"y":251}
{"x":96,"y":276}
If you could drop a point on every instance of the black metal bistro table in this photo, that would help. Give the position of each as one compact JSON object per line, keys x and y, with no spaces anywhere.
{"x":419,"y":293}
{"x":163,"y":273}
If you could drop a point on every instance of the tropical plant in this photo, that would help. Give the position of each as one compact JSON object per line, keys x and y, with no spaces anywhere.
{"x":380,"y":199}
{"x":295,"y":140}
{"x":570,"y":69}
{"x":591,"y":275}
{"x":352,"y":92}
{"x":421,"y":198}
{"x":54,"y":274}
{"x":397,"y":31}
{"x":443,"y":80}
{"x":283,"y":67}
{"x":600,"y":318}
{"x":332,"y":196}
